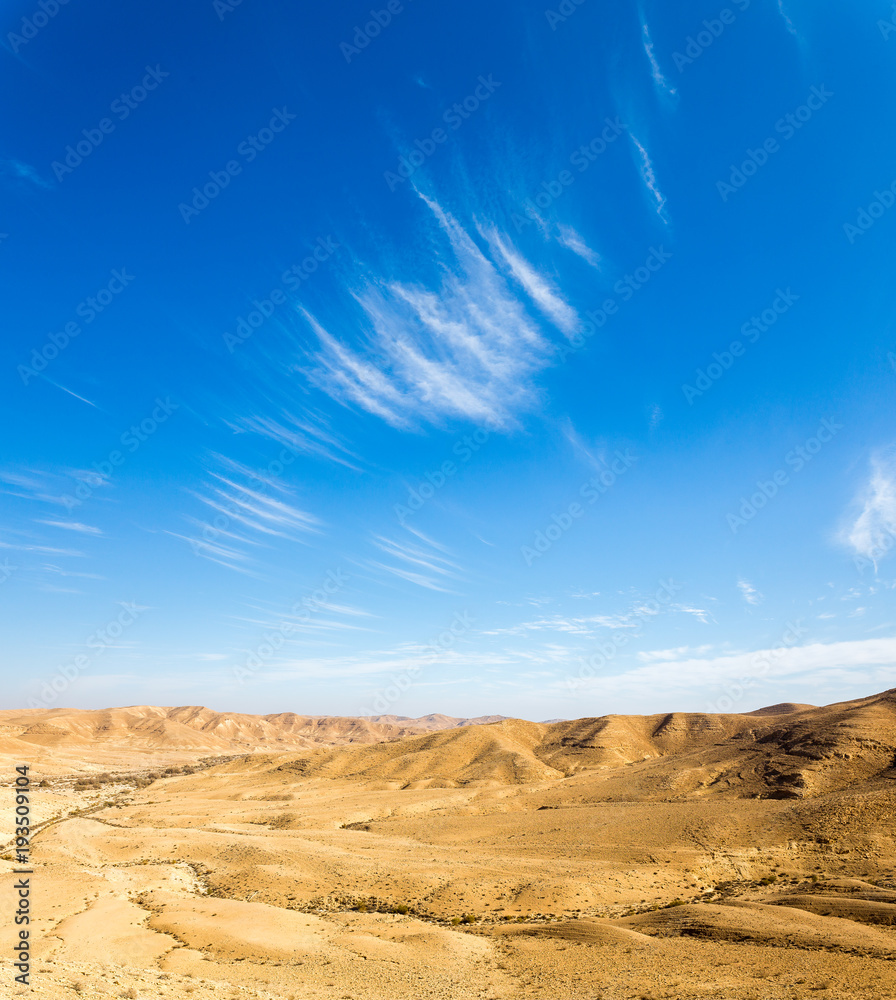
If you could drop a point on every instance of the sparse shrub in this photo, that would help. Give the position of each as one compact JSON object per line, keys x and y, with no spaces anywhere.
{"x":402,"y":908}
{"x":768,"y":880}
{"x":130,"y":993}
{"x":361,"y":907}
{"x":469,"y":918}
{"x":675,"y":902}
{"x":78,"y":986}
{"x":282,"y":821}
{"x":455,"y":921}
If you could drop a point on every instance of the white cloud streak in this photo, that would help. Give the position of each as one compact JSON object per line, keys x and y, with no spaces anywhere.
{"x":570,"y":239}
{"x":425,"y":567}
{"x":786,"y":17}
{"x":658,"y":78}
{"x":465,"y":345}
{"x":802,"y":666}
{"x":873,"y":531}
{"x":648,"y":175}
{"x":303,"y":435}
{"x":85,"y":529}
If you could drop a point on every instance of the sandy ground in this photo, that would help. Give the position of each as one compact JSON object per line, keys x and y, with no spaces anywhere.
{"x":500,"y":861}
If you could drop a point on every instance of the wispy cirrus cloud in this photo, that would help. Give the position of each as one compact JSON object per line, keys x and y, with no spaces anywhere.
{"x":251,"y":510}
{"x":46,"y":550}
{"x":423,"y":563}
{"x":748,"y":592}
{"x":593,"y":456}
{"x":61,"y":571}
{"x":537,"y":287}
{"x":264,"y":506}
{"x":659,"y":77}
{"x":648,"y":175}
{"x":84,"y":529}
{"x":593,"y":626}
{"x":307,"y":435}
{"x":16,"y":170}
{"x":572,"y":240}
{"x":52,"y":487}
{"x":676,"y":653}
{"x":786,"y":18}
{"x":701,"y":614}
{"x":214,"y":550}
{"x":871,"y":531}
{"x":464,"y":345}
{"x":326,"y":617}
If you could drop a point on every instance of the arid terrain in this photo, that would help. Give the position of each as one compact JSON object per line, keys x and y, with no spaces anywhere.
{"x":183,"y":852}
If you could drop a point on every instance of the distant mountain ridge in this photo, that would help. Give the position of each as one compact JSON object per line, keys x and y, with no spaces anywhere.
{"x":783,"y":751}
{"x":194,"y":728}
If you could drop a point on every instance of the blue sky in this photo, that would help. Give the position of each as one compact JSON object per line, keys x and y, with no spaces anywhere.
{"x":520,"y":360}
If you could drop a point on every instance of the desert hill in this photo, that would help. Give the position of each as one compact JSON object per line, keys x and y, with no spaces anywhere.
{"x":782,"y":755}
{"x":151,"y":735}
{"x":783,"y":708}
{"x":437,"y":721}
{"x":677,"y":855}
{"x":783,"y":751}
